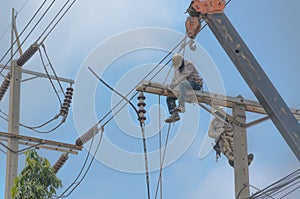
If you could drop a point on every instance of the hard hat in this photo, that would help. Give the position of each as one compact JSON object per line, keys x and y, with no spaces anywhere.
{"x":177,"y":60}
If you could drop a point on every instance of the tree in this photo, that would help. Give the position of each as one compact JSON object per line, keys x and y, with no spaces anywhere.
{"x":37,"y":180}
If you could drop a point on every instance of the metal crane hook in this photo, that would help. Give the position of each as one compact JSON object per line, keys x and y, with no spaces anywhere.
{"x":192,"y":45}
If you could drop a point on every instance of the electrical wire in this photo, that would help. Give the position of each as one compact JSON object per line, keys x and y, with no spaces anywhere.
{"x":44,"y":30}
{"x":80,"y":172}
{"x":52,"y":68}
{"x":58,"y":20}
{"x":51,"y":82}
{"x":279,"y":186}
{"x":142,"y":126}
{"x":34,"y":129}
{"x":30,"y":32}
{"x":86,"y":172}
{"x":22,"y":150}
{"x":21,"y":8}
{"x":26,"y":26}
{"x":3,"y":151}
{"x":145,"y":77}
{"x":54,"y":18}
{"x":5,"y":31}
{"x":44,"y":132}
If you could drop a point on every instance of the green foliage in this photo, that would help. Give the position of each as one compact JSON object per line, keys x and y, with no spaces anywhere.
{"x":37,"y":180}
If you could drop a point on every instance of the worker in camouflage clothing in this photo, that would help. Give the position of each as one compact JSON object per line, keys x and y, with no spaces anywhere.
{"x":223,"y":134}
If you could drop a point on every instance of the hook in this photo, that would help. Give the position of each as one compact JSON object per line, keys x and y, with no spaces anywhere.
{"x":192,"y":45}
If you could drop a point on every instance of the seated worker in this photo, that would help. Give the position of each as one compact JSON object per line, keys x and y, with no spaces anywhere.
{"x":185,"y":76}
{"x":223,"y":134}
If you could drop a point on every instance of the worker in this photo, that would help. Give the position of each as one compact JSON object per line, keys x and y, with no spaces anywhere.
{"x":223,"y":134}
{"x":185,"y":76}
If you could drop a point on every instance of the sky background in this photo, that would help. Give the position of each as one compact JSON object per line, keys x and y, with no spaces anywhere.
{"x":269,"y":28}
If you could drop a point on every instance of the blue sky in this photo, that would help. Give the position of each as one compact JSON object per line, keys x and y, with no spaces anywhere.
{"x":270,"y":29}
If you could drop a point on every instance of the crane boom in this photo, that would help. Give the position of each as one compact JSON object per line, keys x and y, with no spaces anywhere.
{"x":249,"y":68}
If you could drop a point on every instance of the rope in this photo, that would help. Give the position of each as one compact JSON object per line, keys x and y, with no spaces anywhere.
{"x":163,"y":158}
{"x":160,"y":144}
{"x":160,"y":150}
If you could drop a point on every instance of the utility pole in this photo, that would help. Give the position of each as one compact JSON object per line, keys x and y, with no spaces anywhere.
{"x":13,"y":120}
{"x":241,"y":173}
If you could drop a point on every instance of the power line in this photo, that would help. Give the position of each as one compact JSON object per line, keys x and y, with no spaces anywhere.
{"x":21,"y":8}
{"x":47,"y":73}
{"x":279,"y":186}
{"x":82,"y":168}
{"x":31,"y":19}
{"x":142,"y":126}
{"x":5,"y":31}
{"x":146,"y":76}
{"x":57,"y":22}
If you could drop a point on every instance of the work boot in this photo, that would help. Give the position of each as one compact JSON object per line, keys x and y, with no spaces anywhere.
{"x":173,"y":118}
{"x":231,"y":163}
{"x":250,"y":158}
{"x":179,"y":109}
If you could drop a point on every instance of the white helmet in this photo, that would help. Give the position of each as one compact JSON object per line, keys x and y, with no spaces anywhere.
{"x":177,"y":60}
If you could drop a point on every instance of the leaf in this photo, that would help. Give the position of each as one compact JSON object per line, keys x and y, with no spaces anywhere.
{"x":36,"y":180}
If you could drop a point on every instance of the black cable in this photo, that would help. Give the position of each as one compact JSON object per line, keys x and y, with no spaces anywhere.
{"x":44,"y":132}
{"x":28,"y":35}
{"x":51,"y":82}
{"x":5,"y":31}
{"x":115,"y":91}
{"x":41,"y":125}
{"x":58,"y":21}
{"x":290,"y":192}
{"x":278,"y":184}
{"x":117,"y":112}
{"x":52,"y":68}
{"x":53,"y":20}
{"x":28,"y":148}
{"x":19,"y":11}
{"x":80,"y":172}
{"x":284,"y":186}
{"x":85,"y":162}
{"x":288,"y":187}
{"x":141,"y":125}
{"x":41,"y":6}
{"x":20,"y":151}
{"x":89,"y":166}
{"x":146,"y":76}
{"x":3,"y":151}
{"x":34,"y":128}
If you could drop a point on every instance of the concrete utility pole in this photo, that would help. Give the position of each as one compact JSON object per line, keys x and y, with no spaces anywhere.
{"x":13,"y":137}
{"x":13,"y":121}
{"x":241,"y":173}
